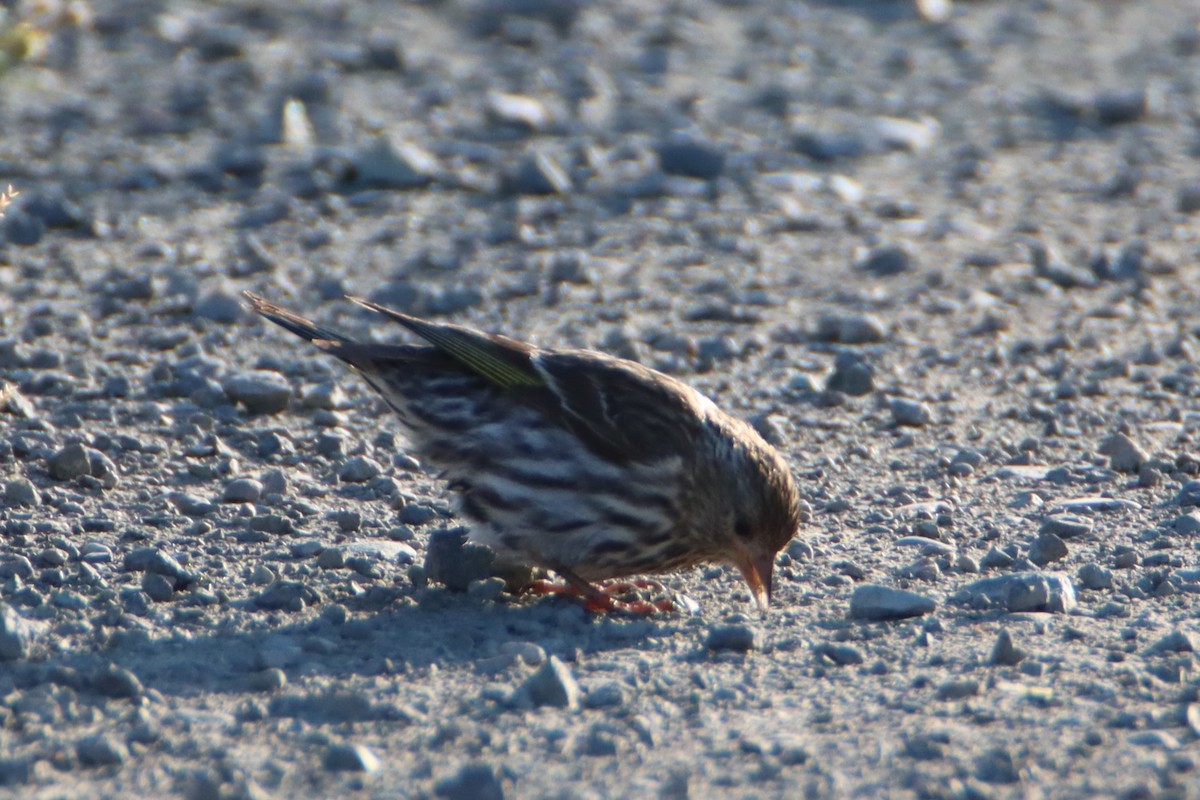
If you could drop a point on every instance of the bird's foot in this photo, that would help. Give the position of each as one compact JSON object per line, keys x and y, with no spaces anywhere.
{"x":637,"y":597}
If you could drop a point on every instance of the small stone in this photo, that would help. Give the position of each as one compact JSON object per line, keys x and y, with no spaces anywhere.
{"x":359,"y":469}
{"x":996,"y":559}
{"x":537,"y":174}
{"x":1046,"y":549}
{"x":850,"y":329}
{"x":260,"y":391}
{"x":739,"y":638}
{"x":1189,"y":495}
{"x":843,"y":655}
{"x":1160,"y":739}
{"x":1124,"y":454}
{"x":271,"y":679}
{"x":351,"y":758}
{"x":114,"y":681}
{"x":158,"y":588}
{"x":219,"y":306}
{"x":451,"y":561}
{"x":1066,"y":526}
{"x":326,"y":396}
{"x":876,"y":603}
{"x":910,"y":412}
{"x":1023,"y":591}
{"x":242,"y":490}
{"x":101,"y":750}
{"x":691,"y":159}
{"x":387,"y":164}
{"x":851,"y":375}
{"x":517,"y":110}
{"x":1094,"y":576}
{"x":70,"y":463}
{"x":16,"y":635}
{"x":475,"y":781}
{"x":552,"y":685}
{"x":1188,"y":524}
{"x":1004,"y":652}
{"x":957,"y":690}
{"x":1029,"y":593}
{"x":1177,"y":642}
{"x":331,"y":558}
{"x":887,"y":261}
{"x":417,"y":514}
{"x":287,"y":596}
{"x":21,"y":492}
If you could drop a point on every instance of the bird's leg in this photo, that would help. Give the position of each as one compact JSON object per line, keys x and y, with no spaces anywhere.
{"x":605,"y":598}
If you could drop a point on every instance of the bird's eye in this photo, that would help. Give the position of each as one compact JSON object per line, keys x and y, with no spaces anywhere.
{"x":742,"y":528}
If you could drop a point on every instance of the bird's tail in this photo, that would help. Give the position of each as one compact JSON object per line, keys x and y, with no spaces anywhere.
{"x":302,"y":327}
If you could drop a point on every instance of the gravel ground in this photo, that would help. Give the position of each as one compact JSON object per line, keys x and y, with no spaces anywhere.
{"x":950,"y":267}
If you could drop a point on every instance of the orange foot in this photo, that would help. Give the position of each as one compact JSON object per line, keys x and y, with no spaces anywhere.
{"x":619,"y":596}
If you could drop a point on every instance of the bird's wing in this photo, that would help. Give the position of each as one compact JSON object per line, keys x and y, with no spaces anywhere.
{"x":621,"y":409}
{"x":503,"y":361}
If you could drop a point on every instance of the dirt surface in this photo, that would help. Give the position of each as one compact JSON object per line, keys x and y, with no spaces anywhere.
{"x":952,"y":268}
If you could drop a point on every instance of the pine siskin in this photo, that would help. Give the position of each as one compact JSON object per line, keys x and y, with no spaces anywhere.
{"x":588,"y":465}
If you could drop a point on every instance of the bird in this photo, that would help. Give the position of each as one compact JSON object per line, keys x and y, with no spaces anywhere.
{"x":594,"y":467}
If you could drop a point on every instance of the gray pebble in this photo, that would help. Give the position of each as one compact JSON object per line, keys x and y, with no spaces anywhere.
{"x":383,"y":549}
{"x":327,"y":396}
{"x":1160,"y":739}
{"x":417,"y":514}
{"x":1066,"y":526}
{"x":70,"y":463}
{"x":1189,"y":494}
{"x":486,"y":590}
{"x":1124,"y":454}
{"x":850,"y":329}
{"x":359,"y":469}
{"x":851,"y":375}
{"x":690,"y":159}
{"x":843,"y":655}
{"x":552,"y":685}
{"x":191,"y":505}
{"x":1046,"y":549}
{"x":1023,"y":591}
{"x":997,"y":766}
{"x":957,"y":690}
{"x":16,"y":635}
{"x":271,"y":679}
{"x":1187,"y":524}
{"x":387,"y":164}
{"x":740,"y":638}
{"x":100,"y":750}
{"x":873,"y":602}
{"x":1177,"y":642}
{"x":996,"y":559}
{"x":16,"y":566}
{"x":536,"y":174}
{"x":1004,"y":652}
{"x":331,"y":558}
{"x":476,"y":781}
{"x":1028,"y":593}
{"x":21,"y":492}
{"x":1090,"y":505}
{"x":219,"y":306}
{"x":287,"y":596}
{"x":450,"y":560}
{"x":113,"y":681}
{"x":158,"y":588}
{"x":887,"y":261}
{"x":260,"y":391}
{"x":351,"y":758}
{"x":242,"y":490}
{"x":1094,"y":576}
{"x":910,"y":412}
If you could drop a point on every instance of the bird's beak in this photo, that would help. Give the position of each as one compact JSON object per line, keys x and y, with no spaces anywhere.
{"x":757,"y":570}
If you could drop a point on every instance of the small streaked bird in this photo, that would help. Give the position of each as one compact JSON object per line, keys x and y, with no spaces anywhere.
{"x":588,"y":465}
